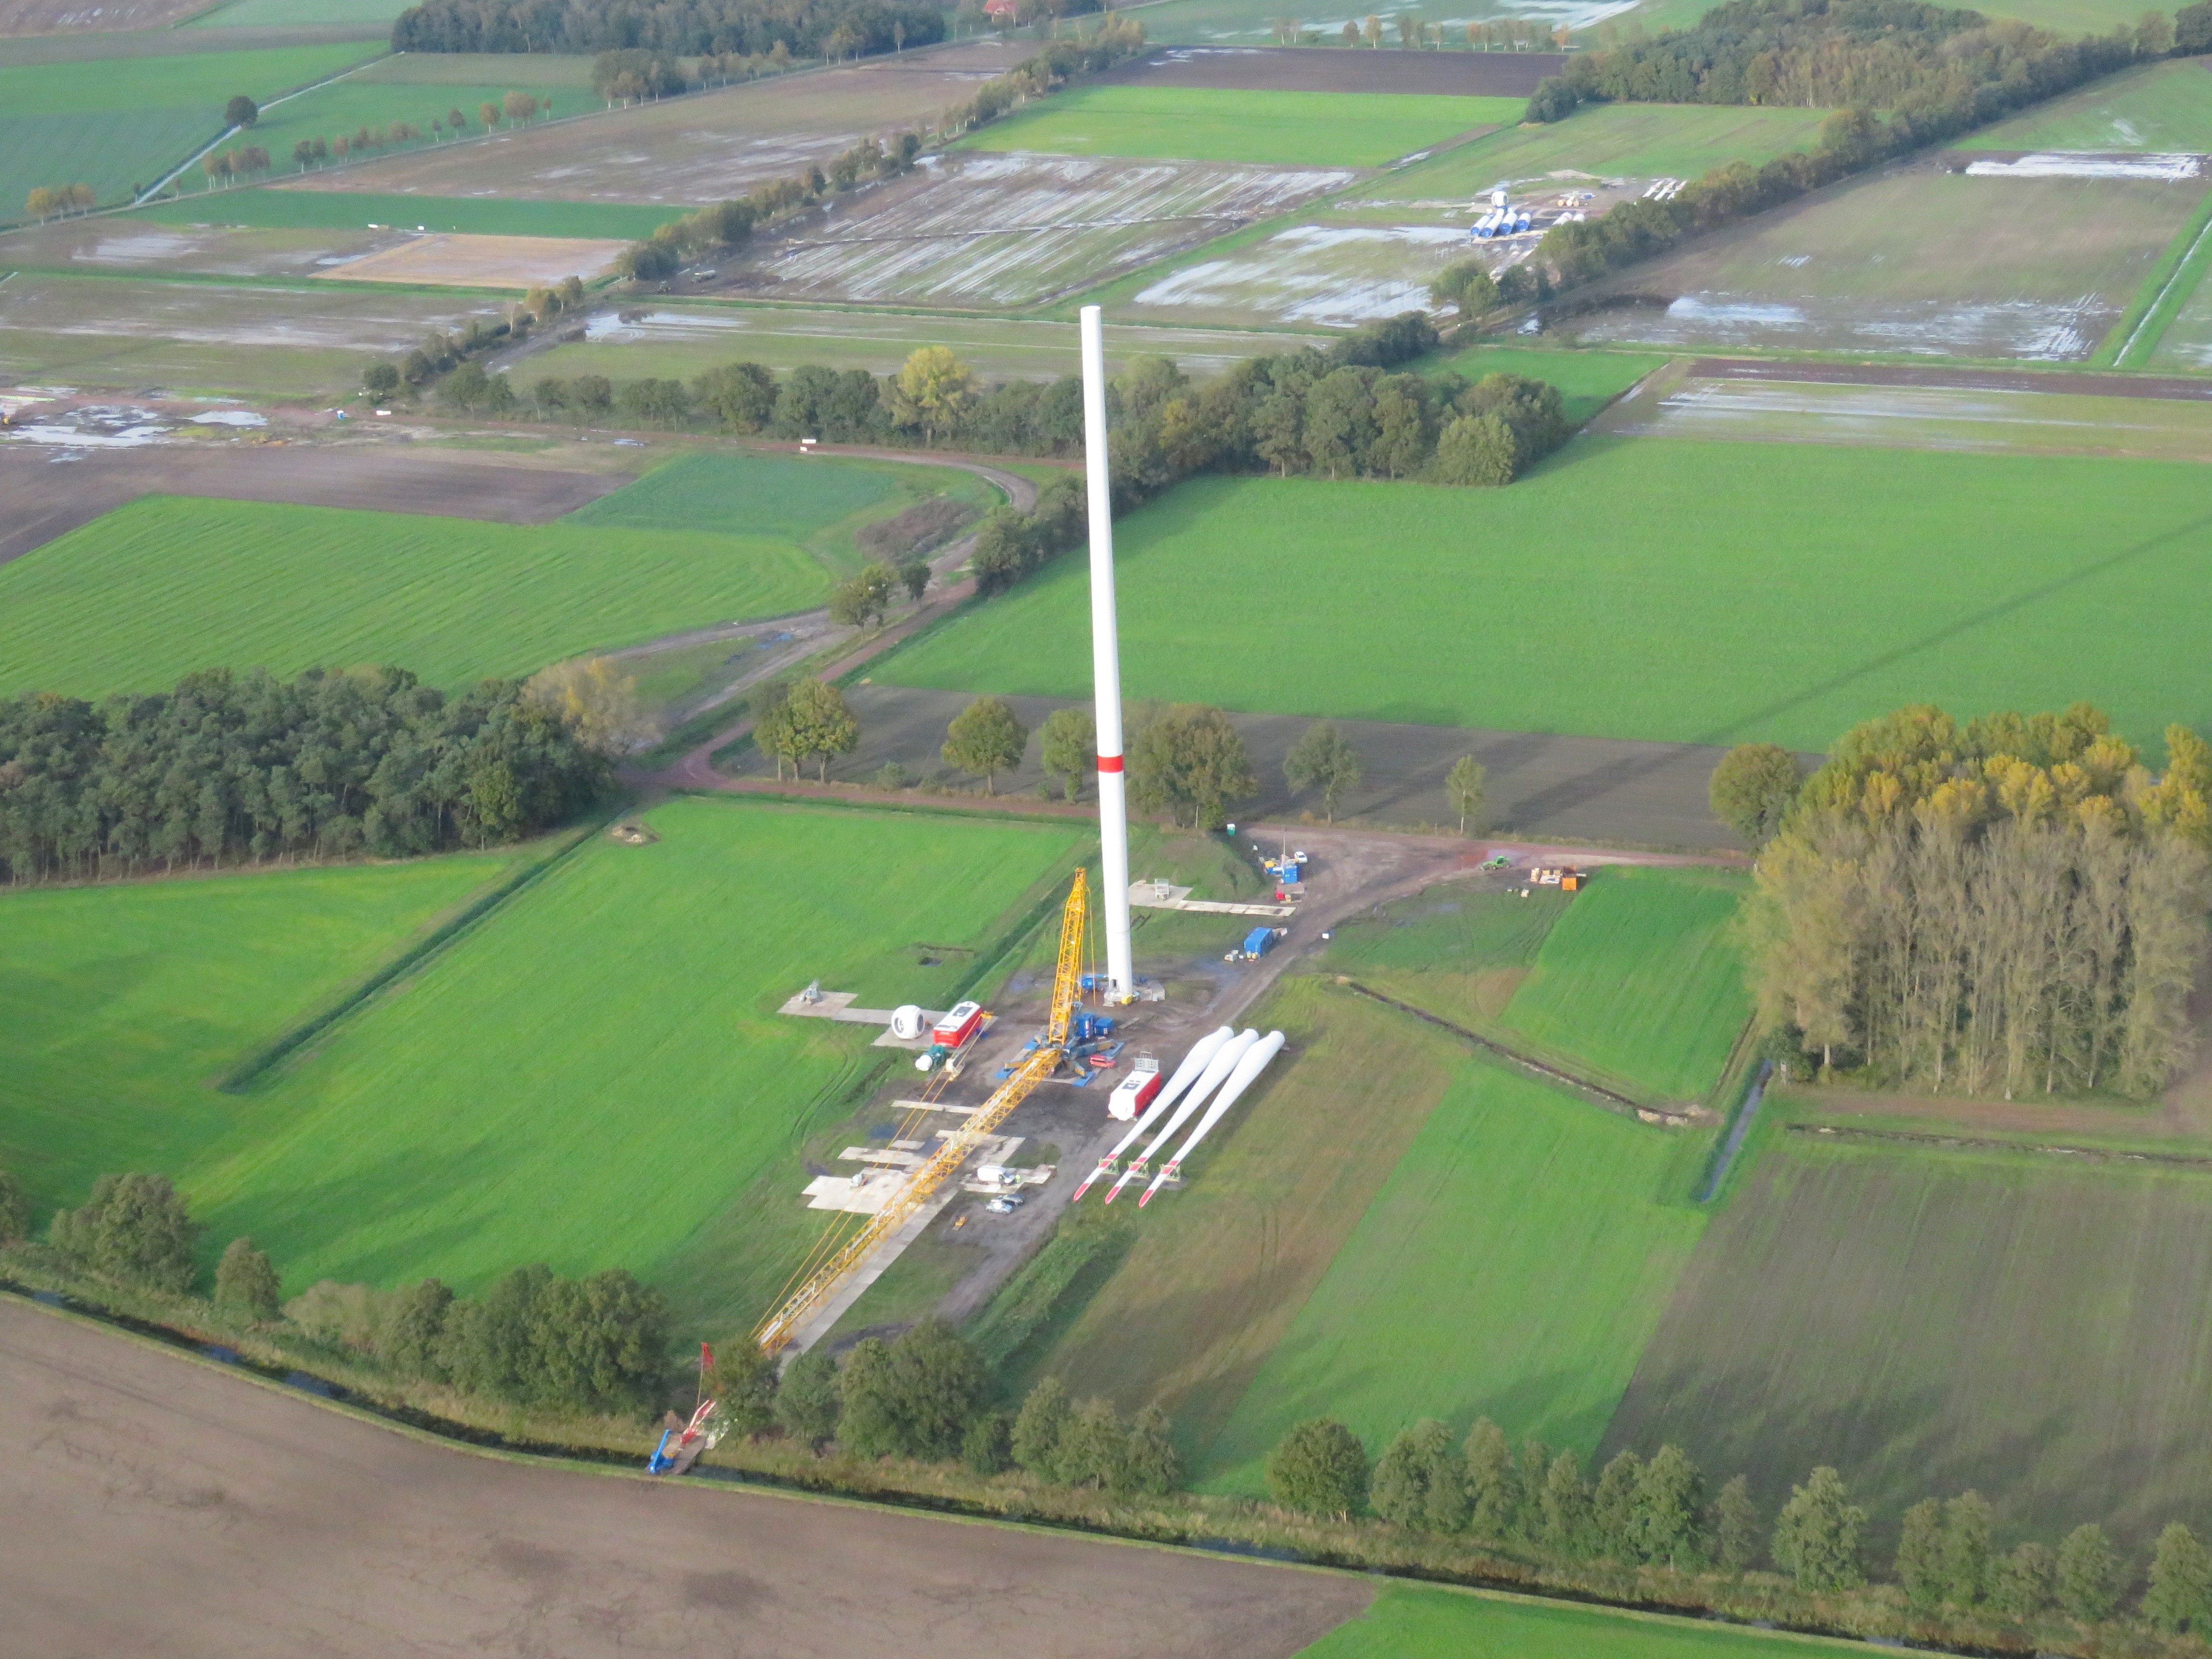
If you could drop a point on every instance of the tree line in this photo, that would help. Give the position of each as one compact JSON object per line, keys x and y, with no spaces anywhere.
{"x":728,"y":225}
{"x":1661,"y":1512}
{"x":1936,"y":74}
{"x":49,"y":201}
{"x":1333,"y":412}
{"x":230,"y":767}
{"x":519,"y":107}
{"x":692,"y":28}
{"x":596,"y":1344}
{"x":2013,"y":904}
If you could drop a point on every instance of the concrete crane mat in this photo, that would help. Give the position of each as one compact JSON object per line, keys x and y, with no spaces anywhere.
{"x":261,"y":1524}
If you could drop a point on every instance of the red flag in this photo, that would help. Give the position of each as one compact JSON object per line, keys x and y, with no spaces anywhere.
{"x":706,"y":1357}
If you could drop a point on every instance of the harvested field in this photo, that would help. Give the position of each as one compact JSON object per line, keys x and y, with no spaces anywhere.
{"x":136,"y":599}
{"x":652,"y":1111}
{"x":303,"y":207}
{"x":501,"y":262}
{"x":1278,"y":129}
{"x":1246,"y":68}
{"x":77,"y":16}
{"x":164,"y":249}
{"x":995,"y":230}
{"x":39,"y":500}
{"x":126,"y":1003}
{"x":112,"y":123}
{"x":679,"y":340}
{"x":706,"y":148}
{"x":1411,"y":1622}
{"x":1913,"y":261}
{"x":2159,"y":107}
{"x":1932,"y":1321}
{"x":1606,"y":140}
{"x":1566,"y":789}
{"x":260,"y":1524}
{"x":1330,"y":275}
{"x":298,"y":14}
{"x":2060,"y":577}
{"x":2056,"y":421}
{"x":110,"y":315}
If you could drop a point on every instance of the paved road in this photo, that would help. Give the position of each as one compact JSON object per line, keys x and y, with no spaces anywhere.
{"x":160,"y":1506}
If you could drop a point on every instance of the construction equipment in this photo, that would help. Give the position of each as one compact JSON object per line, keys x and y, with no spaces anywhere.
{"x":823,"y":1277}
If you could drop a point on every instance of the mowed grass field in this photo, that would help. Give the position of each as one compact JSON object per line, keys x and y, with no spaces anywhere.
{"x":1641,"y":981}
{"x":1930,"y":1322}
{"x":1635,"y":141}
{"x":1588,"y":381}
{"x":307,"y":209}
{"x":396,"y":89}
{"x":150,"y":592}
{"x":1211,"y":123}
{"x":111,"y":123}
{"x":123,"y":1004}
{"x":1706,"y":615}
{"x":1421,"y":1621}
{"x":2160,"y":106}
{"x":1365,"y":1242}
{"x":821,"y":508}
{"x":1512,"y":1266}
{"x":596,"y":1074}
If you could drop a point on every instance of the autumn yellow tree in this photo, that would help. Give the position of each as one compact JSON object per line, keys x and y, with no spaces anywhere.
{"x":932,"y":389}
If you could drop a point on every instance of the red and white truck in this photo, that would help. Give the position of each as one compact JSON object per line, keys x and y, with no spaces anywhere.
{"x":1134,"y":1093}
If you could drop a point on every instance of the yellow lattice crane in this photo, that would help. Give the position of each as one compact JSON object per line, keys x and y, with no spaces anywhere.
{"x":831,"y":1266}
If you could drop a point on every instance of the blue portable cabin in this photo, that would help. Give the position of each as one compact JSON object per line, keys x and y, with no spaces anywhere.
{"x":1256,"y":942}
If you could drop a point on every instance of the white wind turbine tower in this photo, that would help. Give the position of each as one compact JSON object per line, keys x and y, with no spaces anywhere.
{"x":1106,"y":668}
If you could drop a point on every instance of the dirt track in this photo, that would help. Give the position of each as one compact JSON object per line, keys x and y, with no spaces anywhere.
{"x":41,"y":497}
{"x":157,"y":1506}
{"x":1329,"y":68}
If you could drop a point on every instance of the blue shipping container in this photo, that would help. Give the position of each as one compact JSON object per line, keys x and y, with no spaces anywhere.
{"x":1257,"y":941}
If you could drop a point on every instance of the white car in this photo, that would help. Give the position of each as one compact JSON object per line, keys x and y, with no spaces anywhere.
{"x":1005,"y":1206}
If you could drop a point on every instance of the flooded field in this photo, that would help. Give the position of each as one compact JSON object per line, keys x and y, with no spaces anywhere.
{"x":1920,"y":262}
{"x":1334,"y":276}
{"x":976,"y":230}
{"x":161,"y":249}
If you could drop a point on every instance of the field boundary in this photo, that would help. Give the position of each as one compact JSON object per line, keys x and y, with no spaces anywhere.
{"x":259,"y":1064}
{"x":2172,"y":291}
{"x":1845,"y":1132}
{"x":1619,"y":1104}
{"x":176,"y":172}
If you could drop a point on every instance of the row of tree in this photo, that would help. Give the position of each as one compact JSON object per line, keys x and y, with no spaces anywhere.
{"x":232,"y":767}
{"x":693,"y":29}
{"x":46,"y":201}
{"x":1935,"y":73}
{"x":442,"y":353}
{"x":2015,"y":904}
{"x":1499,"y":34}
{"x":1659,"y":1512}
{"x":1934,"y":67}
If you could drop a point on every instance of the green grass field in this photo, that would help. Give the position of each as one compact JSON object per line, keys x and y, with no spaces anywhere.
{"x":2160,"y":106}
{"x":373,"y":99}
{"x":1419,"y":1621}
{"x":1512,"y":1266}
{"x":1636,"y":140}
{"x":1588,"y":381}
{"x":111,"y":123}
{"x":597,"y":1076}
{"x":346,"y":210}
{"x":295,"y":14}
{"x":820,"y":507}
{"x":168,"y":585}
{"x":1706,"y":614}
{"x":1212,"y":123}
{"x":123,"y":1005}
{"x":1640,"y":980}
{"x":1930,"y":1322}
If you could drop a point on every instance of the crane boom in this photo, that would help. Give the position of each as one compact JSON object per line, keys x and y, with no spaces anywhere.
{"x":778,"y":1329}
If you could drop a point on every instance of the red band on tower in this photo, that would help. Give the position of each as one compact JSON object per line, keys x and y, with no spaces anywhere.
{"x":1109,"y":763}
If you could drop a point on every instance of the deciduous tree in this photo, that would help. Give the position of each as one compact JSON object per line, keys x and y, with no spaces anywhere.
{"x":133,"y":1227}
{"x":241,"y":112}
{"x":1319,"y":1467}
{"x":811,"y":1397}
{"x":1323,"y":759}
{"x":1189,"y":762}
{"x":2088,"y":1574}
{"x":1816,"y":1536}
{"x":1069,"y":744}
{"x":986,"y":739}
{"x":246,"y":1281}
{"x":2180,"y":1594}
{"x":15,"y":1210}
{"x":1753,"y":788}
{"x":1465,"y":784}
{"x":2025,"y":1582}
{"x":933,"y":390}
{"x":1736,"y":1527}
{"x":1040,"y":1427}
